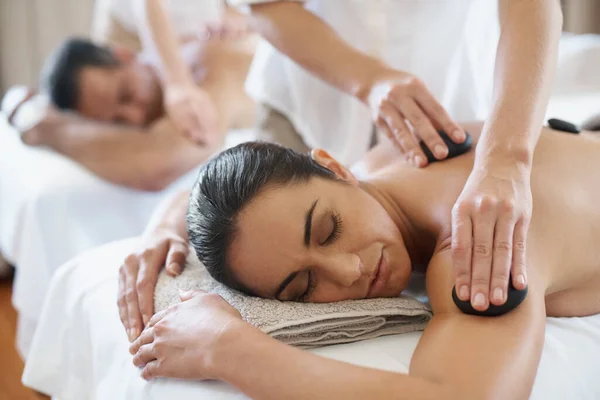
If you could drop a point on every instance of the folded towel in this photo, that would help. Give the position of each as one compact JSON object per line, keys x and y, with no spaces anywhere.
{"x":304,"y":325}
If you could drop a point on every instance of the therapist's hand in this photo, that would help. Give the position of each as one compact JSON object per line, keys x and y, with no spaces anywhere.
{"x":405,"y":110}
{"x":489,"y":232}
{"x":184,"y":340}
{"x":138,"y":275}
{"x":193,"y":112}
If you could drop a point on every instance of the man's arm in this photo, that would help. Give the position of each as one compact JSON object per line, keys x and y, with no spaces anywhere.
{"x":145,"y":159}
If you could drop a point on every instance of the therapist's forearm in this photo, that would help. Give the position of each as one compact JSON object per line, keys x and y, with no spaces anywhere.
{"x":166,"y":41}
{"x":314,"y":45}
{"x":264,"y":368}
{"x":524,"y":73}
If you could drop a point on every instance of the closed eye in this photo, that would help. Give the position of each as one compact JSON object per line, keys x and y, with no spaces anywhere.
{"x":335,"y":231}
{"x":310,"y":287}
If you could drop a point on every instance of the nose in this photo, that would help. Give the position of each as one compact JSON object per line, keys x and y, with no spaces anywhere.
{"x":343,"y":269}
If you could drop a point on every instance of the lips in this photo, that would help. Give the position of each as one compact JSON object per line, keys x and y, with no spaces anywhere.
{"x":379,"y":279}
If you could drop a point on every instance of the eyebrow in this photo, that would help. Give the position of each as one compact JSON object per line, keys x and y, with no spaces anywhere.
{"x":307,"y":232}
{"x":308,"y":223}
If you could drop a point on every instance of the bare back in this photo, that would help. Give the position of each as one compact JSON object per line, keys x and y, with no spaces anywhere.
{"x":565,"y":226}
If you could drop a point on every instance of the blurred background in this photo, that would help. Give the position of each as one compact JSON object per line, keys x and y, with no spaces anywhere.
{"x":30,"y":29}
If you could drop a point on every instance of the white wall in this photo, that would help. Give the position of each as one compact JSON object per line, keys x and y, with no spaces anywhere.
{"x":31,"y":29}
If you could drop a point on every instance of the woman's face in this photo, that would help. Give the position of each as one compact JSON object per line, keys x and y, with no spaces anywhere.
{"x":320,"y":241}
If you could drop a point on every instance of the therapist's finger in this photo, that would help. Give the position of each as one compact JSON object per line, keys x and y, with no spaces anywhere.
{"x":439,"y":116}
{"x":195,"y":126}
{"x":462,"y":244}
{"x":519,"y":265}
{"x":383,"y":126}
{"x":144,"y":355}
{"x":176,"y":258}
{"x":146,"y":337}
{"x":202,"y":125}
{"x":502,"y":255}
{"x":151,"y":370}
{"x":483,"y":235}
{"x":178,"y":119}
{"x":133,"y":310}
{"x":151,"y":262}
{"x":423,"y":128}
{"x":121,"y":300}
{"x":182,"y":118}
{"x":402,"y":135}
{"x":156,"y":317}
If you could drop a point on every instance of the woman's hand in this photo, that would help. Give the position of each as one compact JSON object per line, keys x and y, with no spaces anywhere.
{"x":139,"y":273}
{"x":193,"y":112}
{"x":183,"y":341}
{"x":490,"y":221}
{"x":398,"y":98}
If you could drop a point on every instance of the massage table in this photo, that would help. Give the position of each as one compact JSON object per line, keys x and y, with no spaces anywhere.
{"x":80,"y":349}
{"x":52,"y":209}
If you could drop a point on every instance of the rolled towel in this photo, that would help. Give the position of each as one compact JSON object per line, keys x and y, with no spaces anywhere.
{"x":304,"y":325}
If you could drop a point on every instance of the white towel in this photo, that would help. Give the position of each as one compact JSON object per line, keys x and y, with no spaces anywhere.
{"x":304,"y":325}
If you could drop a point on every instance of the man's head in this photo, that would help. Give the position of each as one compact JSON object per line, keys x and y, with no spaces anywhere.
{"x":101,"y":83}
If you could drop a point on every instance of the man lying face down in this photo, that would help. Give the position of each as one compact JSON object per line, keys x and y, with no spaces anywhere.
{"x":103,"y":84}
{"x":106,"y":110}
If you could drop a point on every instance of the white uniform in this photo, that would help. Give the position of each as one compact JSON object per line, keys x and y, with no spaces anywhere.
{"x":449,"y":44}
{"x":188,"y":17}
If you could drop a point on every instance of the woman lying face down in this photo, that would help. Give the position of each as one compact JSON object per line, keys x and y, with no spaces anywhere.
{"x":287,"y":226}
{"x":277,"y":224}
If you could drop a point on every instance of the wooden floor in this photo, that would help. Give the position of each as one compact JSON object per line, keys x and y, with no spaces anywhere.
{"x":11,"y":367}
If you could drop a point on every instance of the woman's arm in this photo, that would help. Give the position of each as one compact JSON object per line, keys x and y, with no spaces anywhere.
{"x":480,"y":357}
{"x":459,"y":356}
{"x":264,"y":368}
{"x":203,"y":337}
{"x":495,"y":206}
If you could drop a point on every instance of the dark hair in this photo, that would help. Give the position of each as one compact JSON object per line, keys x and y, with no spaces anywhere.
{"x":60,"y":74}
{"x":228,"y":183}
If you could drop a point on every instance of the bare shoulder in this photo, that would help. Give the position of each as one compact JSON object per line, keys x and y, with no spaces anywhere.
{"x":479,"y":357}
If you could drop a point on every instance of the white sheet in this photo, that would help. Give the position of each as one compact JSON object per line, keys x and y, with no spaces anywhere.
{"x":52,"y":209}
{"x":80,"y":348}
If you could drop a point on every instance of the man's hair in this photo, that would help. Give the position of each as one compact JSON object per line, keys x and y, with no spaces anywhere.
{"x":60,"y":74}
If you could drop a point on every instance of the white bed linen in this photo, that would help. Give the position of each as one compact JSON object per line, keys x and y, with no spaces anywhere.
{"x":80,"y":350}
{"x":52,"y":209}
